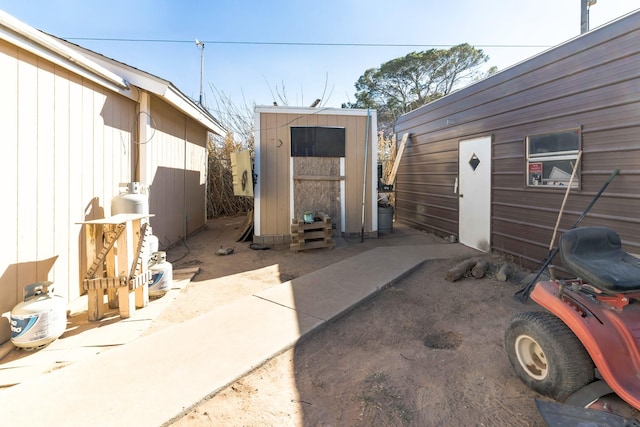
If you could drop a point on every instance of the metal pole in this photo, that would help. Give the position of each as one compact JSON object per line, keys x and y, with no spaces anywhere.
{"x":201,"y":46}
{"x":201,"y":69}
{"x":584,"y":16}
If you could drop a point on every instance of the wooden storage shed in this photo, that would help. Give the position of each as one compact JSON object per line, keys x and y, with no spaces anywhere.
{"x":74,"y":125}
{"x":314,"y":159}
{"x":490,"y":163}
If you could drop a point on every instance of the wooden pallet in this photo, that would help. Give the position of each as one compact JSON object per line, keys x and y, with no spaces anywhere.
{"x":317,"y":234}
{"x":115,"y":246}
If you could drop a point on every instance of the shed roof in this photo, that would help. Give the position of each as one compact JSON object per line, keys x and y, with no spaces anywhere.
{"x":313,"y":110}
{"x":107,"y":72}
{"x":573,"y":46}
{"x":156,"y":85}
{"x":28,"y":38}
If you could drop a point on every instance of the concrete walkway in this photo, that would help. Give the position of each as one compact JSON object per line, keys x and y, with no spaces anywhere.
{"x":153,"y":380}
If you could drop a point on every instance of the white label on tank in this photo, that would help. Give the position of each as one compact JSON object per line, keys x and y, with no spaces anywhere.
{"x":158,"y":281}
{"x":30,"y":328}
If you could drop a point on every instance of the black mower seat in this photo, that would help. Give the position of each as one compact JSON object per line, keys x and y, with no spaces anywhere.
{"x":595,"y":255}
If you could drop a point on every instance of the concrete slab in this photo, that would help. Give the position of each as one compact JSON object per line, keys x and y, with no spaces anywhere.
{"x":334,"y":289}
{"x":84,"y":339}
{"x":155,"y":378}
{"x":152,"y":380}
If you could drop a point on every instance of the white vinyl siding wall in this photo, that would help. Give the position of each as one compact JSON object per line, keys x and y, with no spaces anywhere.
{"x":178,"y":183}
{"x":65,"y":146}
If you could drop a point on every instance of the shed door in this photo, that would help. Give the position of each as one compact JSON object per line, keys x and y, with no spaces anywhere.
{"x":474,"y":193}
{"x":316,"y":187}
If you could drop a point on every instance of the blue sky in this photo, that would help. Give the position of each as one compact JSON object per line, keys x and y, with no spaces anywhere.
{"x":249,"y":73}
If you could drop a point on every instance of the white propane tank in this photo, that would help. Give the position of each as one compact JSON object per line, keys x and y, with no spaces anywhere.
{"x":40,"y":318}
{"x":161,"y":274}
{"x":131,"y":200}
{"x":152,"y":247}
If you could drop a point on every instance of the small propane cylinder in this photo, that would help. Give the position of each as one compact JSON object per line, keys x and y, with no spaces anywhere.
{"x":150,"y":248}
{"x":130,"y":200}
{"x":40,"y":318}
{"x":153,"y":244}
{"x":161,"y":274}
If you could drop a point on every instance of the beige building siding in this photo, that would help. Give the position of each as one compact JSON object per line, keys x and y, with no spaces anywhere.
{"x":65,"y":146}
{"x":73,"y":125}
{"x":354,"y":170}
{"x":274,"y":196}
{"x":275,"y":174}
{"x":177,"y":159}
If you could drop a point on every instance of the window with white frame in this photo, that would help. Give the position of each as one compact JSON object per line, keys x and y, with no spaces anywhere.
{"x":551,"y":157}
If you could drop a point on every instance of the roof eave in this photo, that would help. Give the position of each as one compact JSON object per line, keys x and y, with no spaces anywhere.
{"x":159,"y":87}
{"x":28,"y":38}
{"x":187,"y":106}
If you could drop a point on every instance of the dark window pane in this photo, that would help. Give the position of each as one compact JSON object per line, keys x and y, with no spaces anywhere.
{"x":554,"y":142}
{"x":317,"y":142}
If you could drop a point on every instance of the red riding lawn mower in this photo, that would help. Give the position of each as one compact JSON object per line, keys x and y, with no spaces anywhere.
{"x":584,"y":350}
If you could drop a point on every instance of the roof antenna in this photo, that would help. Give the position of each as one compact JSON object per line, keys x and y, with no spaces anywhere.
{"x":201,"y":46}
{"x":315,"y":103}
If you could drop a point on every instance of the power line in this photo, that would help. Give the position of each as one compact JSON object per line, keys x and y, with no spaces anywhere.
{"x":263,"y":43}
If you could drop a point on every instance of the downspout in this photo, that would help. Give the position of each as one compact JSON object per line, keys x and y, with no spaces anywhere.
{"x":141,"y":170}
{"x":137,"y":151}
{"x":184,"y":181}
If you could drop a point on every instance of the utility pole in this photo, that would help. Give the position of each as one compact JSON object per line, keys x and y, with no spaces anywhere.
{"x":201,"y":46}
{"x":584,"y":14}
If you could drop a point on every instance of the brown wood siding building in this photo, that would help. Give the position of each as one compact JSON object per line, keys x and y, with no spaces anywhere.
{"x":590,"y":84}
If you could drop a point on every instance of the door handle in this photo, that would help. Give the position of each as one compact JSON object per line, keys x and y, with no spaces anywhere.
{"x":461,"y":196}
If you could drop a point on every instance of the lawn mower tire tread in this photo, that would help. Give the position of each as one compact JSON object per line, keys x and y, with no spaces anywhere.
{"x":568,"y":364}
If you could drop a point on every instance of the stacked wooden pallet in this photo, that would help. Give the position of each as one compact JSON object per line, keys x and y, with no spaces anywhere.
{"x":114,"y":251}
{"x":312,"y":235}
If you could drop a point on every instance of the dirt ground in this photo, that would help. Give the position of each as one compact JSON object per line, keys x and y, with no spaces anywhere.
{"x":424,"y":352}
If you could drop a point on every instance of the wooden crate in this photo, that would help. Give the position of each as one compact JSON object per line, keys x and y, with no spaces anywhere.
{"x":317,"y":234}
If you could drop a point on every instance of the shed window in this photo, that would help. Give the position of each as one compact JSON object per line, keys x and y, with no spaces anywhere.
{"x":317,"y":141}
{"x":551,"y":157}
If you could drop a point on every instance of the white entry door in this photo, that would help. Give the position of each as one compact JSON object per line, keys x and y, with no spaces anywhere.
{"x":474,"y":193}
